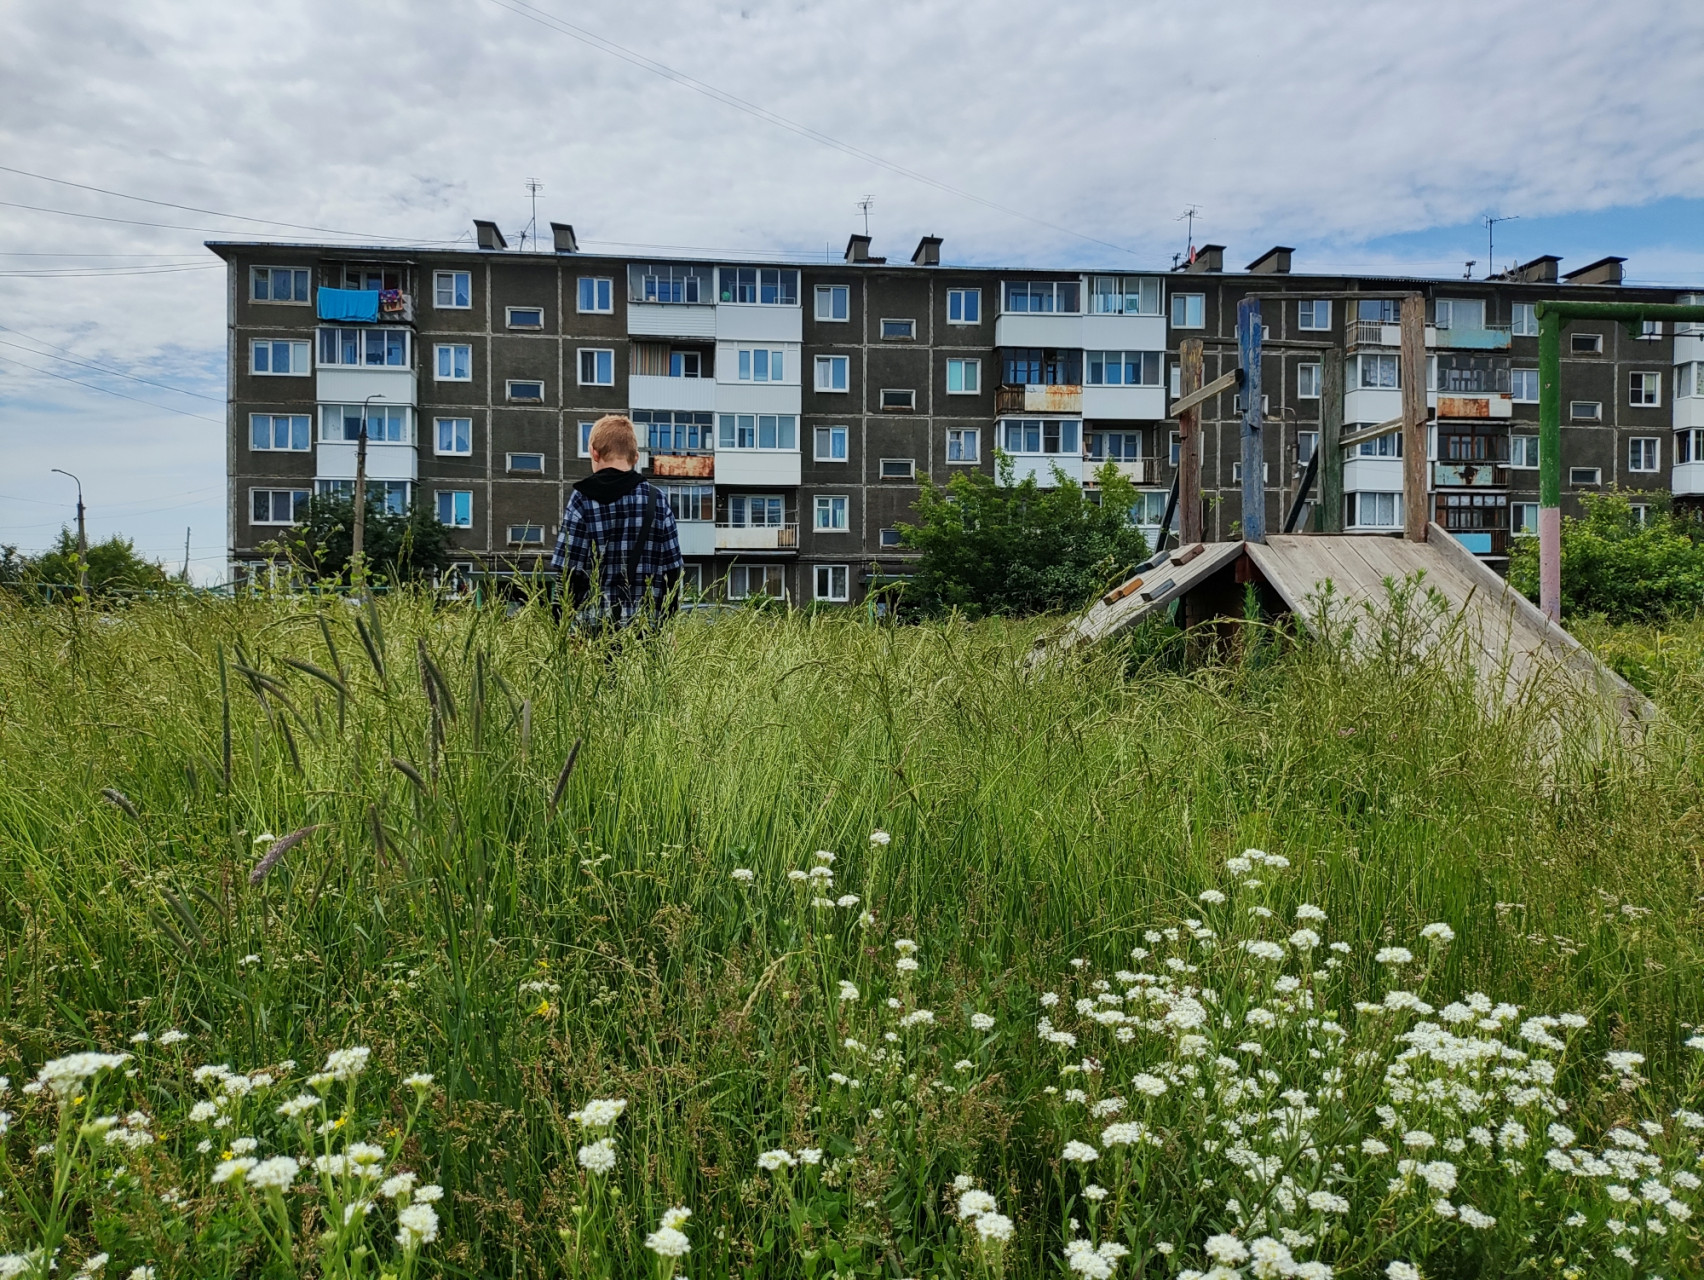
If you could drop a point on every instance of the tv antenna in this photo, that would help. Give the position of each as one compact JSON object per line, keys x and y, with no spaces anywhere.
{"x":534,"y":186}
{"x":1468,"y":274}
{"x":864,"y":207}
{"x":1491,"y":240}
{"x":1189,"y":215}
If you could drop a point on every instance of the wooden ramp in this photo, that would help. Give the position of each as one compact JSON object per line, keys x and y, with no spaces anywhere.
{"x":1344,"y":584}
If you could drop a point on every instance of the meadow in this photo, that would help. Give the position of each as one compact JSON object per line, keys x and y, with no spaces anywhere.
{"x":416,"y":940}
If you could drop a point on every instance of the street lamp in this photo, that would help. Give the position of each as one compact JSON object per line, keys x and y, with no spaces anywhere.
{"x":82,"y":538}
{"x":357,"y":570}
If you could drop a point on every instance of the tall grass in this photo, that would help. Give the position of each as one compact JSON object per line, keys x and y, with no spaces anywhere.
{"x":1034,"y":818}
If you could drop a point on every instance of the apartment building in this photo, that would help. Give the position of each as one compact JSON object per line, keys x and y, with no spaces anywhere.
{"x":789,"y":411}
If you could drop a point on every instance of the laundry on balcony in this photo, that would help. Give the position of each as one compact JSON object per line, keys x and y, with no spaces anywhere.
{"x":349,"y":304}
{"x":391,"y":301}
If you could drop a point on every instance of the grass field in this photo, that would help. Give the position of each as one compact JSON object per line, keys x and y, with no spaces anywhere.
{"x":1057,"y":947}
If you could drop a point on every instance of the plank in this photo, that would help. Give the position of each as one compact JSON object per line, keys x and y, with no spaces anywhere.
{"x":1223,"y":383}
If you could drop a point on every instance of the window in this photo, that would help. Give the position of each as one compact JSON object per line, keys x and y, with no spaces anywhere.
{"x":756,"y":582}
{"x":526,"y":535}
{"x":1523,"y":518}
{"x":390,"y":495}
{"x":277,"y":506}
{"x":1313,"y":313}
{"x":278,"y":284}
{"x":964,"y":306}
{"x":833,"y":301}
{"x":1523,"y":386}
{"x":766,"y":286}
{"x":1236,"y":473}
{"x":1643,"y":453}
{"x":526,"y":317}
{"x":279,"y":358}
{"x":386,"y":423}
{"x":755,"y":511}
{"x":1306,"y":443}
{"x":831,"y":444}
{"x":896,"y":329}
{"x":1125,"y":295}
{"x":454,"y":362}
{"x":527,"y":464}
{"x":1388,"y":445}
{"x":830,"y":514}
{"x":1308,"y":381}
{"x":270,"y":432}
{"x":452,"y":290}
{"x":1175,"y":452}
{"x":1585,"y":344}
{"x":525,"y":391}
{"x":761,"y":365}
{"x":1523,"y":452}
{"x":1688,"y":380}
{"x":1176,"y":381}
{"x":1524,"y":324}
{"x":597,"y":367}
{"x":1645,"y":389}
{"x":1043,"y":296}
{"x":1039,"y":435}
{"x":1115,"y":446}
{"x":899,"y":468}
{"x":1265,"y":405}
{"x":964,"y":377}
{"x":1459,"y":313}
{"x":1037,"y":366}
{"x":888,"y":538}
{"x":1379,"y":371}
{"x":364,"y":348}
{"x":831,"y":373}
{"x":1372,"y":510}
{"x":692,"y":502}
{"x":898,"y":400}
{"x":586,"y":439}
{"x":1379,"y":310}
{"x":686,"y":364}
{"x":455,"y":436}
{"x":1585,"y":410}
{"x":1689,"y":445}
{"x":680,"y":431}
{"x":1189,"y":311}
{"x":455,"y":508}
{"x":831,"y":583}
{"x":669,"y":282}
{"x":758,"y":431}
{"x":597,"y":295}
{"x":1150,"y":508}
{"x":1650,"y":330}
{"x":1125,"y":368}
{"x":964,"y":446}
{"x":1585,"y":475}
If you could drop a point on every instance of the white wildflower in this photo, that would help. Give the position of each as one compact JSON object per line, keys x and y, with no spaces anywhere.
{"x":598,"y":1157}
{"x":417,"y":1224}
{"x":1081,"y":1152}
{"x":981,"y":1022}
{"x":276,"y":1174}
{"x":847,"y":990}
{"x":993,"y":1228}
{"x":1439,"y":934}
{"x":599,"y":1113}
{"x":972,"y":1203}
{"x":744,"y":875}
{"x":1394,"y":955}
{"x":879,"y":837}
{"x":779,"y":1158}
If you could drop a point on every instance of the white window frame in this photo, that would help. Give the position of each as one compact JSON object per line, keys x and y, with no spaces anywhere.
{"x":829,"y":364}
{"x":1068,"y":428}
{"x":974,"y":367}
{"x":1303,"y":455}
{"x":729,"y":427}
{"x":307,"y":361}
{"x":883,"y":538}
{"x":830,"y":596}
{"x":1574,"y":474}
{"x":513,"y":541}
{"x":439,"y":279}
{"x":739,"y":516}
{"x":1200,"y":300}
{"x":1595,"y":349}
{"x":826,"y":294}
{"x":909,"y":407}
{"x":910,"y":472}
{"x":306,"y":493}
{"x":1396,"y":510}
{"x":1650,"y":394}
{"x":1519,"y":451}
{"x":509,"y":467}
{"x":585,"y":437}
{"x":960,"y":296}
{"x":1637,"y":445}
{"x":509,"y":390}
{"x":385,"y":423}
{"x":1308,"y":315}
{"x":1594,"y":411}
{"x":283,"y":302}
{"x":824,"y":506}
{"x":1236,"y":472}
{"x":1523,"y":519}
{"x":454,"y":522}
{"x":759,"y":284}
{"x":845,"y":436}
{"x":1174,"y":448}
{"x":1122,"y":362}
{"x":580,"y":364}
{"x":438,"y":436}
{"x":774,"y":358}
{"x":910,"y":335}
{"x":329,"y":337}
{"x":509,"y":317}
{"x":272,"y":432}
{"x":743,"y":573}
{"x":603,"y":292}
{"x":1518,"y":382}
{"x":1313,"y":372}
{"x":438,"y":350}
{"x":965,"y":435}
{"x":1523,"y":322}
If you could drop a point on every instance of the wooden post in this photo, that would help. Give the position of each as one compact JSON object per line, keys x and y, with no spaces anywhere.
{"x":1330,"y":428}
{"x":1253,"y":437}
{"x":1189,"y":448}
{"x":1412,"y":373}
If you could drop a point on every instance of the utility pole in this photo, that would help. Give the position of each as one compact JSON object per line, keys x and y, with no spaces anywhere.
{"x":1189,"y":522}
{"x":1411,"y":373}
{"x":357,"y":569}
{"x":186,"y":533}
{"x":1253,"y":437}
{"x":82,"y":539}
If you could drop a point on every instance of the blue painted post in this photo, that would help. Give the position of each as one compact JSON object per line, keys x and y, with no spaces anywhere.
{"x":1253,"y":442}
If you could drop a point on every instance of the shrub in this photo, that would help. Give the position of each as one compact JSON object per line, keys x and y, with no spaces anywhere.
{"x":1618,"y":566}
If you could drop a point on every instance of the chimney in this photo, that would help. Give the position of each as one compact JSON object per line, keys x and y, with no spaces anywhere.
{"x":1209,"y":257}
{"x":1541,"y":270}
{"x":564,"y":234}
{"x":488,"y":235}
{"x":1603,"y":271}
{"x":858,"y":249}
{"x":928,"y":252}
{"x":1274,"y":262}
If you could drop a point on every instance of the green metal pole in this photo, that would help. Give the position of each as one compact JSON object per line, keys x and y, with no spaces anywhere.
{"x":1550,"y":464}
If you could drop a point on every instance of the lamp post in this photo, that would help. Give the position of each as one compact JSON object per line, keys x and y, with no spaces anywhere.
{"x":82,"y":538}
{"x":357,"y":569}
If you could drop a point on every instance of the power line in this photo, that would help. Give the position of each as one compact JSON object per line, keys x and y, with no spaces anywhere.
{"x":42,"y":253}
{"x":87,"y":273}
{"x":49,"y":373}
{"x":521,"y":9}
{"x":97,"y":367}
{"x":216,"y":231}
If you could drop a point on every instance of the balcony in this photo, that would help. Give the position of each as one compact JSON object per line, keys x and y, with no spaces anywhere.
{"x":1488,"y":404}
{"x":778,"y":468}
{"x":1039,"y":398}
{"x":366,"y":306}
{"x":649,"y":391}
{"x":683,"y":466}
{"x":671,"y":319}
{"x":1470,"y":475}
{"x":1688,"y":480}
{"x":697,"y":537}
{"x":1485,"y":337}
{"x":782,"y":538}
{"x":1482,"y":542}
{"x":1135,"y":470}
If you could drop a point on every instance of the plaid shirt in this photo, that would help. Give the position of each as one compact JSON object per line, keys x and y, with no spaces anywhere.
{"x":599,"y":536}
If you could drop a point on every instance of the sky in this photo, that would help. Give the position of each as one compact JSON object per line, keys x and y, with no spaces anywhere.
{"x":1371,"y":136}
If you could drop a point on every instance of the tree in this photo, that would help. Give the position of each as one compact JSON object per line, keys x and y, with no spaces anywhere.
{"x":398,"y":546}
{"x":114,"y":565}
{"x":991,"y":546}
{"x":1616,"y":565}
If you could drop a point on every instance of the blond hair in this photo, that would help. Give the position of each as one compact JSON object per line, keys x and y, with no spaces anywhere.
{"x":612,"y":438}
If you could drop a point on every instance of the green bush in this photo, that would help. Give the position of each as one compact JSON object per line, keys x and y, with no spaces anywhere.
{"x":1619,"y":567}
{"x":400,"y":546}
{"x":113,"y":565}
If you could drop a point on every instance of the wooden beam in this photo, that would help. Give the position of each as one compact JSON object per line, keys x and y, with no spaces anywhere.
{"x":1385,"y":428}
{"x":1189,"y":442}
{"x":1331,"y":441}
{"x":1413,"y":374}
{"x":1218,"y":386}
{"x":1253,"y":514}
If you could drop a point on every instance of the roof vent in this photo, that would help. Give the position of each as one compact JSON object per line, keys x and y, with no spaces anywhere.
{"x":1541,"y":270}
{"x":1209,"y":257}
{"x":928,"y":252}
{"x":565,"y":241}
{"x":488,"y":235}
{"x":1603,"y":271}
{"x":1274,"y":262}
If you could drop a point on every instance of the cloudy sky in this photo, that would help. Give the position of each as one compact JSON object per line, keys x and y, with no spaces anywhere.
{"x":1370,"y":135}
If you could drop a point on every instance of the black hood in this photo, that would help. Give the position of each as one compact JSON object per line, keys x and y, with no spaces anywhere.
{"x":609,"y":485}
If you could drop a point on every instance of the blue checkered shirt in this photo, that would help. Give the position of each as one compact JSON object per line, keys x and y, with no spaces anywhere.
{"x":599,"y":536}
